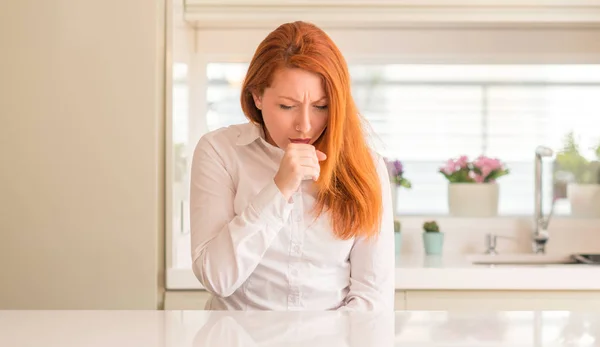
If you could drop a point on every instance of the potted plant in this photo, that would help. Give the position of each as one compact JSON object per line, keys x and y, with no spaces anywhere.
{"x":433,"y":239}
{"x":581,"y":177}
{"x":472,"y":187}
{"x":397,"y":180}
{"x":397,"y":236}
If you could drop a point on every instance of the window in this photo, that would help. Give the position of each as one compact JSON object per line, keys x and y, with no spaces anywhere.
{"x":493,"y":94}
{"x":425,"y":114}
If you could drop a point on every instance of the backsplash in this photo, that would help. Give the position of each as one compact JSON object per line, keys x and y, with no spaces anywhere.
{"x":467,"y":235}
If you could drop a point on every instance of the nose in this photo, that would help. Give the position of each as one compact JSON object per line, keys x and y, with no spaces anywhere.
{"x":303,"y":121}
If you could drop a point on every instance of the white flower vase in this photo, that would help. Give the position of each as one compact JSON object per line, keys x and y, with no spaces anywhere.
{"x":584,"y":199}
{"x":473,"y":199}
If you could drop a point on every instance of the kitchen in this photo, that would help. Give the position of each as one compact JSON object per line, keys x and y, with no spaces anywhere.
{"x":485,"y":75}
{"x":106,"y":100}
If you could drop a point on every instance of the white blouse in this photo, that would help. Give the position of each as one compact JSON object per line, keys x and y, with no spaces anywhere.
{"x":253,"y":250}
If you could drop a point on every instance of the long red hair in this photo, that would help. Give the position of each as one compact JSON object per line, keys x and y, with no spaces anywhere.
{"x":348,"y":186}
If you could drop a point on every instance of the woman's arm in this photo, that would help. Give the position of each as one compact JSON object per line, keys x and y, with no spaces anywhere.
{"x":226,"y":247}
{"x":372,"y":261}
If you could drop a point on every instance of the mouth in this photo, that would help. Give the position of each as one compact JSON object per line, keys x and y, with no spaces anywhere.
{"x":305,"y":141}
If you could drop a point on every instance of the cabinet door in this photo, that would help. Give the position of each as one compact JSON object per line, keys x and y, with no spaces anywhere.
{"x":196,"y":300}
{"x":400,"y":300}
{"x":502,"y":300}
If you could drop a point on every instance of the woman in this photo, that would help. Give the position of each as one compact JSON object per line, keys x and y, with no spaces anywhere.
{"x":292,"y":211}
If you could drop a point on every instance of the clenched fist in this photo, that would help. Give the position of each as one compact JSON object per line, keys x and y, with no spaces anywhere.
{"x":300,"y":162}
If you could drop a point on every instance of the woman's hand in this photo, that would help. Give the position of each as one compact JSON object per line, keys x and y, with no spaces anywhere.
{"x":300,"y":162}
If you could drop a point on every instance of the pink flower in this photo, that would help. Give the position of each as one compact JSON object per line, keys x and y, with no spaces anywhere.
{"x":481,"y":170}
{"x":487,"y":165}
{"x":483,"y":161}
{"x":462,"y":162}
{"x":450,"y":167}
{"x":477,"y":178}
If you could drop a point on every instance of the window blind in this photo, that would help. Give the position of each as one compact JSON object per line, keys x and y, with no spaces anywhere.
{"x":424,"y":115}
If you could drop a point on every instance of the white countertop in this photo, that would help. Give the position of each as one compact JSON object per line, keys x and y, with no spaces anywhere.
{"x":456,"y":272}
{"x":313,"y":329}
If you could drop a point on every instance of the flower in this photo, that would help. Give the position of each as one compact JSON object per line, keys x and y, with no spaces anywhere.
{"x":457,"y":170}
{"x":398,"y":166}
{"x":455,"y":165}
{"x":482,"y":170}
{"x":396,"y":173}
{"x":487,"y":169}
{"x":462,"y":162}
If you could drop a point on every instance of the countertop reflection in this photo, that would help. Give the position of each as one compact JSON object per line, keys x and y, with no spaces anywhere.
{"x":312,"y":329}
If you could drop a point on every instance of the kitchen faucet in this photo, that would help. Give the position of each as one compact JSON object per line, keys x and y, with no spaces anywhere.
{"x":540,"y":231}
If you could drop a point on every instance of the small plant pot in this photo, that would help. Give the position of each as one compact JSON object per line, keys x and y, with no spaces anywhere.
{"x":398,"y":242}
{"x":433,"y":242}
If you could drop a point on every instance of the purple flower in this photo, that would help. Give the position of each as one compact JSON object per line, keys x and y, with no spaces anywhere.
{"x":396,"y":173}
{"x":398,"y":167}
{"x":395,"y":167}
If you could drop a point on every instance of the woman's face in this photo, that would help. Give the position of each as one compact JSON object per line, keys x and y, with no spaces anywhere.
{"x":294,"y":107}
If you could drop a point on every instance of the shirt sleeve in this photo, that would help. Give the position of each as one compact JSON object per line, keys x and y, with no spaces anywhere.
{"x":226,"y":248}
{"x":372,"y":261}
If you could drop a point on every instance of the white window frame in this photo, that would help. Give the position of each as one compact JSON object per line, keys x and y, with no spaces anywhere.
{"x":391,"y":13}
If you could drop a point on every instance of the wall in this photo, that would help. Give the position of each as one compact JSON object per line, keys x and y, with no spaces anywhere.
{"x":467,"y":235}
{"x":81,"y":101}
{"x":429,"y":45}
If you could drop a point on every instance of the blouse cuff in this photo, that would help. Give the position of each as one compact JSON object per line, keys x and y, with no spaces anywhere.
{"x":270,"y":205}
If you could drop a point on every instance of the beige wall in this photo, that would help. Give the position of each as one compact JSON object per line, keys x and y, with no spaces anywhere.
{"x":81,"y":182}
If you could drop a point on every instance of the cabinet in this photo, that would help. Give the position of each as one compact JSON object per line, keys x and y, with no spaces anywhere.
{"x":444,"y":300}
{"x":186,"y":300}
{"x":196,"y":300}
{"x":489,"y":300}
{"x":400,"y":300}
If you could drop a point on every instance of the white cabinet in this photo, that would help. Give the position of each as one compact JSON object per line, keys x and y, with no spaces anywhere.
{"x":400,"y":300}
{"x":490,"y":300}
{"x":444,"y":300}
{"x":186,"y":300}
{"x":195,"y":300}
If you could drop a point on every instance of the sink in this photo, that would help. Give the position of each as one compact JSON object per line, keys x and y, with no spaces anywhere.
{"x":521,"y":259}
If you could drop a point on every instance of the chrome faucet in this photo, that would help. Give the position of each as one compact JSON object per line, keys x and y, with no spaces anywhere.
{"x":540,"y":231}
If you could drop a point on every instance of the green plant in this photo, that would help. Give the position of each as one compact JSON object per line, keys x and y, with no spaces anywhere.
{"x":397,"y":226}
{"x":431,"y":227}
{"x":574,"y":167}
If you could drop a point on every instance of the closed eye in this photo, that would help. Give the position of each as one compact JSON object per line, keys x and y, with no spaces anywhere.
{"x":322,"y":107}
{"x":285,"y":107}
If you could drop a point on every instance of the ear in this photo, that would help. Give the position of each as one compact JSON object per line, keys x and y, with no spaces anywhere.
{"x":257,"y":100}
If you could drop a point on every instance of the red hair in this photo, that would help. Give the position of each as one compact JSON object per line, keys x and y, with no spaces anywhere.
{"x":348,"y":186}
